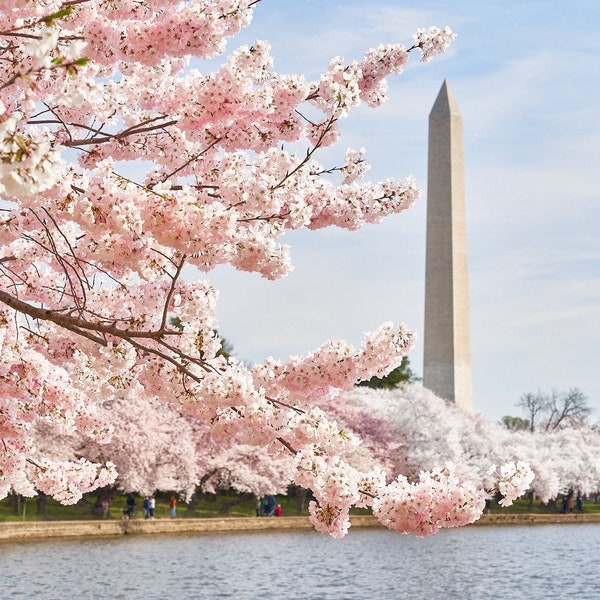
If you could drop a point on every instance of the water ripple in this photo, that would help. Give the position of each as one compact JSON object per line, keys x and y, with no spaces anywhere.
{"x":546,"y":561}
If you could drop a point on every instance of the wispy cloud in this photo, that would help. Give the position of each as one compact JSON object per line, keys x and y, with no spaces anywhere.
{"x":524,"y":75}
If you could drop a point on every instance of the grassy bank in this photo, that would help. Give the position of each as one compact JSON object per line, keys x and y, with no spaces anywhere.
{"x":205,"y":506}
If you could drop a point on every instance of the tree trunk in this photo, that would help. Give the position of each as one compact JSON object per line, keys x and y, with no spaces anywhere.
{"x":301,"y":499}
{"x":14,"y":501}
{"x":193,"y":503}
{"x":227,"y":505}
{"x":42,"y":504}
{"x":530,"y":506}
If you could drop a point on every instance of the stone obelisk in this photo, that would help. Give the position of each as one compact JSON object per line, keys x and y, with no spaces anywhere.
{"x":447,"y":345}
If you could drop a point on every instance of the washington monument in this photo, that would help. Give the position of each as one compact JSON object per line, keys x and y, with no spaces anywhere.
{"x":447,"y":344}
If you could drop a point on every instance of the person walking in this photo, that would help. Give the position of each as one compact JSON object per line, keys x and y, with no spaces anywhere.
{"x":130,"y":506}
{"x":270,"y":509}
{"x":173,"y":507}
{"x":146,"y":507}
{"x":105,"y":506}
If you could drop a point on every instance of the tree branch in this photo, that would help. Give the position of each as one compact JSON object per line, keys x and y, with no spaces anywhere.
{"x":133,"y":130}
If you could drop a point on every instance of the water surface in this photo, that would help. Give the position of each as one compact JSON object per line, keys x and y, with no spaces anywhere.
{"x":508,"y":562}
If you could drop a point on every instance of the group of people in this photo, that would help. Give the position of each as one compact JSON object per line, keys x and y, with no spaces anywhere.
{"x":568,"y":503}
{"x":149,"y":506}
{"x":267,"y":507}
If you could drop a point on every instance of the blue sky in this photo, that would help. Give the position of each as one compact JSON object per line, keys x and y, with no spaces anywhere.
{"x":526,"y":76}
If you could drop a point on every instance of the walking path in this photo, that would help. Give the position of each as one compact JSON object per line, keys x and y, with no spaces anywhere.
{"x":21,"y":530}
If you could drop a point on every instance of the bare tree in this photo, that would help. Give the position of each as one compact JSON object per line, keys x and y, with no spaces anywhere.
{"x":554,"y":410}
{"x":567,"y":409}
{"x":533,"y":405}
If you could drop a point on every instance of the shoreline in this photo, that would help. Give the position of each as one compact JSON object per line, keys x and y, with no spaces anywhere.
{"x":38,"y":530}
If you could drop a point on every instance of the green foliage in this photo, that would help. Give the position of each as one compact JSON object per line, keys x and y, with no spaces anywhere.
{"x":515,"y":423}
{"x":401,"y":374}
{"x":226,"y":346}
{"x":522,"y":506}
{"x":60,"y":14}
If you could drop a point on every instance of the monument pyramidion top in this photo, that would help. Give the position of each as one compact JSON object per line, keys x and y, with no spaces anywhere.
{"x":445,"y":104}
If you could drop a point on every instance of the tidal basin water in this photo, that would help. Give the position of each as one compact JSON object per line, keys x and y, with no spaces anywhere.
{"x":508,"y":562}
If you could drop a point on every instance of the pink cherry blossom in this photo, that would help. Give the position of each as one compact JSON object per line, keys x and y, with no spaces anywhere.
{"x":129,"y":169}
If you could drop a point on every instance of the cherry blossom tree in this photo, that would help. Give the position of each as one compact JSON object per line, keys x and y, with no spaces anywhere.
{"x":248,"y":470}
{"x":563,"y":460}
{"x":428,"y":431}
{"x":152,"y":446}
{"x":228,"y":463}
{"x":381,"y":445}
{"x":122,"y":166}
{"x":157,"y":449}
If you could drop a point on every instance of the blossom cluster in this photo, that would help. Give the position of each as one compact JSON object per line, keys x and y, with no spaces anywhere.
{"x":433,"y":41}
{"x":28,"y":163}
{"x":438,"y":499}
{"x":375,"y":66}
{"x":67,"y":481}
{"x":514,"y":479}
